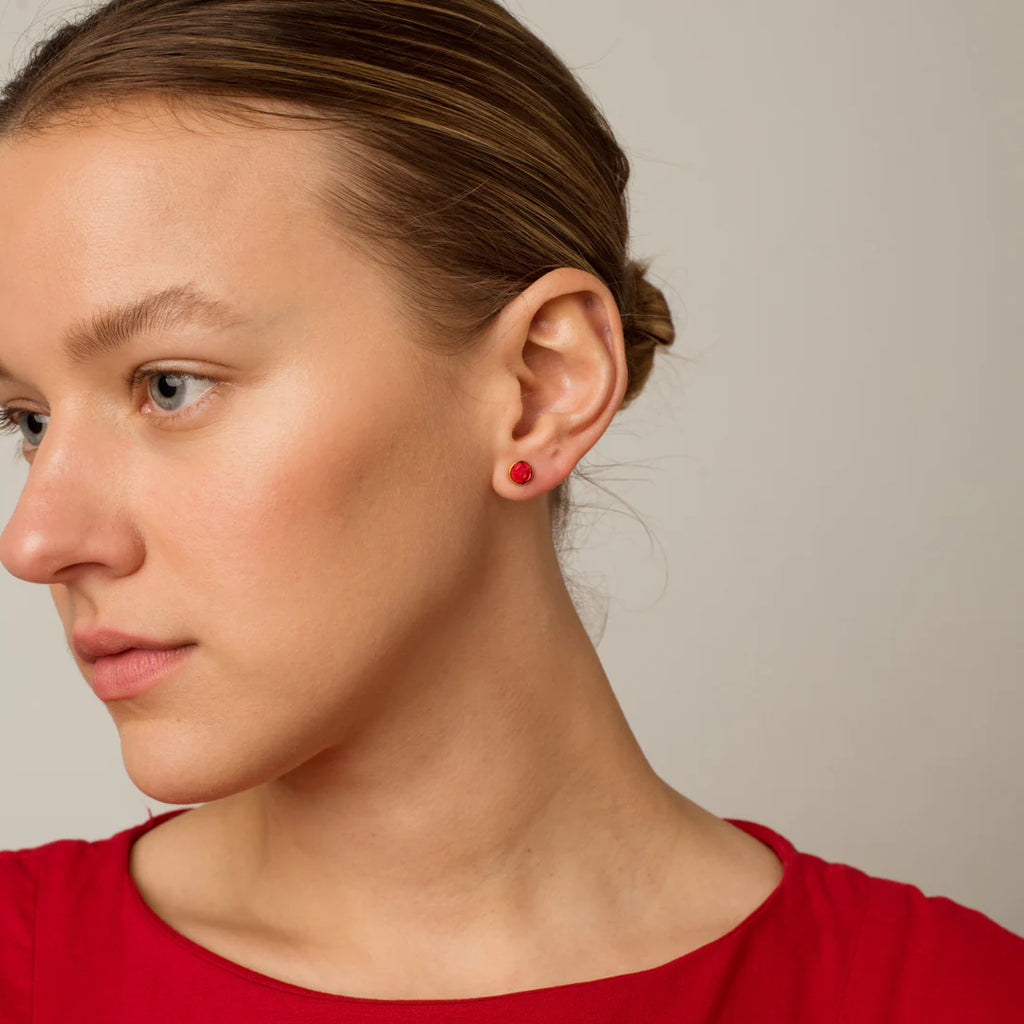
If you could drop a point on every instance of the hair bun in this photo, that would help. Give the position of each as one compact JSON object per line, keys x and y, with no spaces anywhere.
{"x":646,"y":325}
{"x":650,"y":315}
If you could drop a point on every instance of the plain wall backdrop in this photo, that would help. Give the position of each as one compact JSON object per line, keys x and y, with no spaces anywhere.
{"x":815,"y":618}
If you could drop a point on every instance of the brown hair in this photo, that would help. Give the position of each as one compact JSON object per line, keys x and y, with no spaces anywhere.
{"x":469,"y":160}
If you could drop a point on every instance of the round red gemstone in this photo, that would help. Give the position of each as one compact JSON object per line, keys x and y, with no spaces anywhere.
{"x":521,"y":472}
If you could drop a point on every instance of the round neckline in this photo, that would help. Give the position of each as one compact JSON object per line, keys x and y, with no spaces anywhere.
{"x":778,"y":844}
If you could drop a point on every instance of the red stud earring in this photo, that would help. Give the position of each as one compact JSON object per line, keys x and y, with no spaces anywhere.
{"x":520,"y":473}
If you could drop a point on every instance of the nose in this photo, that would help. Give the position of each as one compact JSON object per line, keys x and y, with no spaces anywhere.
{"x":72,"y":513}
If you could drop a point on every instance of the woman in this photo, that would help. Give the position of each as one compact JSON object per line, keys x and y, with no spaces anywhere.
{"x":311,"y":308}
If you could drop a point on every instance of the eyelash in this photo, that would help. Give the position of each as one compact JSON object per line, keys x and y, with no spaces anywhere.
{"x":9,"y":414}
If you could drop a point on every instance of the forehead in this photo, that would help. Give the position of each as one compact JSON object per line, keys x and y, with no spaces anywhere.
{"x":91,"y":214}
{"x":146,"y":168}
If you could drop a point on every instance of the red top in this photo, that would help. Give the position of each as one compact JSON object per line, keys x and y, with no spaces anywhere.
{"x":831,"y":945}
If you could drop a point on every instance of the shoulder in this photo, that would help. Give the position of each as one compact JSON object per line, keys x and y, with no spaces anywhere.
{"x":19,"y":888}
{"x":931,"y":958}
{"x":877,"y":950}
{"x":62,"y":879}
{"x":27,"y":873}
{"x":51,"y":897}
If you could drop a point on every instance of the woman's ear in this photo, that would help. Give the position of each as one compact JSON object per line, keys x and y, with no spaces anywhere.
{"x":560,"y":364}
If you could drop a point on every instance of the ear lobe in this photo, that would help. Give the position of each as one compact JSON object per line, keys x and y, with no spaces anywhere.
{"x":572,"y":377}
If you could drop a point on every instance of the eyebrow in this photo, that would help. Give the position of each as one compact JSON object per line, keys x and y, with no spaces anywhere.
{"x":169,"y":308}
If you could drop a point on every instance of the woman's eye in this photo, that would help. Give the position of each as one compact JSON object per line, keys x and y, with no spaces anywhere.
{"x":168,"y":390}
{"x":174,"y":393}
{"x":31,"y":424}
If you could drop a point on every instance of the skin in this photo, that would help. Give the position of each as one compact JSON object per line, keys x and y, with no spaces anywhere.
{"x":415,"y":779}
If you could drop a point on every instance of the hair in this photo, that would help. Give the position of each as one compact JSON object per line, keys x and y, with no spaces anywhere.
{"x":468,"y":159}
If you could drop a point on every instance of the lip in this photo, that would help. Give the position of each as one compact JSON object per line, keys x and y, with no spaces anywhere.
{"x":135,"y":671}
{"x":93,"y":644}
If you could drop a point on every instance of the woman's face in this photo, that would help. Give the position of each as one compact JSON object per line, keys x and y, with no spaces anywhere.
{"x":301,"y":509}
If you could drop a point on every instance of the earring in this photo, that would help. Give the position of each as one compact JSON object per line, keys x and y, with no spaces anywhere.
{"x":520,"y":472}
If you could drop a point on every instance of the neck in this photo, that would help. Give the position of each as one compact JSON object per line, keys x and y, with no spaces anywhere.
{"x":504,"y":786}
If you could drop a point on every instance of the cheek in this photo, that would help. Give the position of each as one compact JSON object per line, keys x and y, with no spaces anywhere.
{"x":309,"y":572}
{"x":336,"y":514}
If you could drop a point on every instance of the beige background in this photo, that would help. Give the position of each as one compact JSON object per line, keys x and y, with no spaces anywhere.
{"x":824,"y":630}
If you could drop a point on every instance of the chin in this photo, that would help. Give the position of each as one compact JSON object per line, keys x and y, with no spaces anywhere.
{"x":176,"y":767}
{"x":164,"y":783}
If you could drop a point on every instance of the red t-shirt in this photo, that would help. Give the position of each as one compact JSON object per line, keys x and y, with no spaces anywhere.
{"x":831,"y":945}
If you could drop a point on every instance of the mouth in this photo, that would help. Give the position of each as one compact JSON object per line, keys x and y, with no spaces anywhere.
{"x":136,"y":670}
{"x":92,"y":645}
